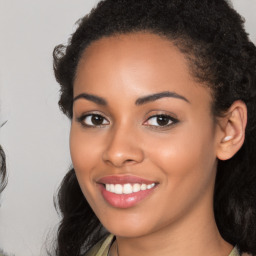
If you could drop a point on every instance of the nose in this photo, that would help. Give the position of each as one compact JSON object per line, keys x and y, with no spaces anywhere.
{"x":123,"y":148}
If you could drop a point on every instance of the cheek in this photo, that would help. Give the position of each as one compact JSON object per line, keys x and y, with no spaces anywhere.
{"x":84,"y":156}
{"x":187,"y":164}
{"x":78,"y":150}
{"x":84,"y":150}
{"x":186,"y":153}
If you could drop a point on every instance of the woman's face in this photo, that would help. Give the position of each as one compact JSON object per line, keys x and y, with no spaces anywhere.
{"x":143,"y":140}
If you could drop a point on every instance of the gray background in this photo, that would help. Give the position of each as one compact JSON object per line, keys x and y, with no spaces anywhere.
{"x":35,"y":137}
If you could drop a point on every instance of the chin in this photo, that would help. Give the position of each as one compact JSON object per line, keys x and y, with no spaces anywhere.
{"x":129,"y":233}
{"x":129,"y":227}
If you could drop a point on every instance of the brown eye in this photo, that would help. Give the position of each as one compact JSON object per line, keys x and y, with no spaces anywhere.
{"x":93,"y":120}
{"x":161,"y":120}
{"x":97,"y":120}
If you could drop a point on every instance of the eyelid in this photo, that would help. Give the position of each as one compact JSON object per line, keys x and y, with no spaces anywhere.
{"x":80,"y":119}
{"x":173,"y":120}
{"x":169,"y":117}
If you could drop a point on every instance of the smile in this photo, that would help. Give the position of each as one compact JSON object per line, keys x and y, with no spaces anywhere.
{"x":127,"y":188}
{"x":125,"y":191}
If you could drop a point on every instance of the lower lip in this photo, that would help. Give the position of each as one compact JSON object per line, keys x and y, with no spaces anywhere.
{"x":125,"y":200}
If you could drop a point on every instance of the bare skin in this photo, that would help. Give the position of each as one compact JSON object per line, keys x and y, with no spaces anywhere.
{"x":172,"y":140}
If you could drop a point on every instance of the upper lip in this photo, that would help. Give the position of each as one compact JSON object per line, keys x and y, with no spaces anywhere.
{"x":124,"y":179}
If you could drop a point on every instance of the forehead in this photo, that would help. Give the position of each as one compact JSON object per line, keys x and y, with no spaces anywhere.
{"x":133,"y":51}
{"x":140,"y":62}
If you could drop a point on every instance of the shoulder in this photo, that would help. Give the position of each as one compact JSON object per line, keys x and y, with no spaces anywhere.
{"x":237,"y":252}
{"x":101,"y":248}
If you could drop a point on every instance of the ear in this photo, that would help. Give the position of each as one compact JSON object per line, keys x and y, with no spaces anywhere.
{"x":232,"y":130}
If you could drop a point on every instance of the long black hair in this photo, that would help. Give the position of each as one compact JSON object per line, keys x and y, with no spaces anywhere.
{"x":210,"y":33}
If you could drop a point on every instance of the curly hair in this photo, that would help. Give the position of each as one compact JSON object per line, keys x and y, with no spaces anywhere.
{"x":3,"y":180}
{"x":210,"y":33}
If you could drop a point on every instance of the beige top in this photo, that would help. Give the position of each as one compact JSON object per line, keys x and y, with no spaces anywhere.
{"x":102,"y":248}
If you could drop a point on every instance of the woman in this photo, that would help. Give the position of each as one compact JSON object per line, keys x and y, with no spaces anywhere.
{"x":162,"y":98}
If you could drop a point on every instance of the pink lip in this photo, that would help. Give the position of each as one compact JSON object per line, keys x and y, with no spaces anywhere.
{"x":124,"y":200}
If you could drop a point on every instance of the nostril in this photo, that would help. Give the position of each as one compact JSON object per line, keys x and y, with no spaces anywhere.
{"x":129,"y":161}
{"x":121,"y":154}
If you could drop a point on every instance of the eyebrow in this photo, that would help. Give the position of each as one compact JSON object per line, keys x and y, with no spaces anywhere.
{"x":96,"y":99}
{"x":140,"y":101}
{"x":160,"y":95}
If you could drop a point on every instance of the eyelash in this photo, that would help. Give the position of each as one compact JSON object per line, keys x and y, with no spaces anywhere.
{"x":171,"y":121}
{"x":82,"y":119}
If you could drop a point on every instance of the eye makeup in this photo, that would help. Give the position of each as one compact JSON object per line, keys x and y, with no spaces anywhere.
{"x":155,"y":121}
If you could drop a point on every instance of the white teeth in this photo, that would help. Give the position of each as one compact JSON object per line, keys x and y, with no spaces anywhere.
{"x":112,"y":188}
{"x":143,"y":187}
{"x":136,"y":187}
{"x":127,"y":188}
{"x":118,"y":189}
{"x":150,"y":186}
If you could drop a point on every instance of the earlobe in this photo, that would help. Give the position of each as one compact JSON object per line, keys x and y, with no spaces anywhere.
{"x":232,"y":132}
